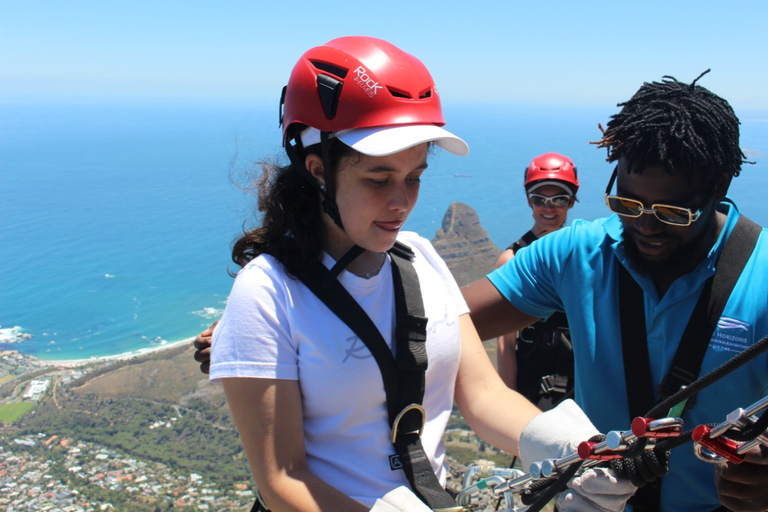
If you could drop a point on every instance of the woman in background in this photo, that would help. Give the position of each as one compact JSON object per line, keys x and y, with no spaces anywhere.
{"x":538,"y":361}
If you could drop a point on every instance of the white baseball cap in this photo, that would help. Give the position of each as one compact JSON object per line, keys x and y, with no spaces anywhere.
{"x":387,"y":140}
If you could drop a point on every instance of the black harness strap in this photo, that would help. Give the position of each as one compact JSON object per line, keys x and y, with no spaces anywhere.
{"x":637,"y":366}
{"x":689,"y":355}
{"x":525,"y":240}
{"x":403,"y":377}
{"x":736,"y":252}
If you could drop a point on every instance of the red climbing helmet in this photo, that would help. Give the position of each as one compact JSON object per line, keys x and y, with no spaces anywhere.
{"x":551,"y":169}
{"x":358,"y":82}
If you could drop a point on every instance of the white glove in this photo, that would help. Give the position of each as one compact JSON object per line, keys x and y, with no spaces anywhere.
{"x":400,"y":499}
{"x":557,"y":433}
{"x":595,"y":489}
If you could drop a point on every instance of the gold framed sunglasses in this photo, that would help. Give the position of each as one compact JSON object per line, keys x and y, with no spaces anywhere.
{"x":668,"y":214}
{"x":559,"y":201}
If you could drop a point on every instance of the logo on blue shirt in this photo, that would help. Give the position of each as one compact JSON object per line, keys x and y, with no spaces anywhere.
{"x":732,"y":335}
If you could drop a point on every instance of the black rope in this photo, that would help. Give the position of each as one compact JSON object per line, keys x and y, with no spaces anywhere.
{"x":642,"y":466}
{"x":660,"y":410}
{"x":551,"y":487}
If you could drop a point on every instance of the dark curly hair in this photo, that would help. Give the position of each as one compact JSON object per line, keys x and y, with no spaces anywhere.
{"x":289,"y":202}
{"x":682,"y":127}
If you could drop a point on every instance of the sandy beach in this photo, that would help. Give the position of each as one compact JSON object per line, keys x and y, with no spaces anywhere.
{"x":68,"y":363}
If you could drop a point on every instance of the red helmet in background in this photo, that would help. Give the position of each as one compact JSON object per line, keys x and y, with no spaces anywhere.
{"x":552,"y":167}
{"x":358,"y":82}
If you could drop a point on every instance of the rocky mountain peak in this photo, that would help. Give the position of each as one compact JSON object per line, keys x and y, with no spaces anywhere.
{"x":465,"y":245}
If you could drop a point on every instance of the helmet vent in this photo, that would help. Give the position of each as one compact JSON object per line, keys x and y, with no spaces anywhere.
{"x":329,"y":90}
{"x":398,"y":94}
{"x":330,"y":68}
{"x":402,"y":94}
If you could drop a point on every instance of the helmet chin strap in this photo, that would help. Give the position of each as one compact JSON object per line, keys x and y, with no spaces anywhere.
{"x":330,"y":207}
{"x":329,"y":194}
{"x":346,"y":259}
{"x":295,"y":150}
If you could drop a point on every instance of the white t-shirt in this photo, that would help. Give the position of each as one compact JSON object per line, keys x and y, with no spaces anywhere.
{"x":274,"y":327}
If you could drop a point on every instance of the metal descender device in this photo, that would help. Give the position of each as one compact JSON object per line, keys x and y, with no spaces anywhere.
{"x":713,"y":444}
{"x":507,"y":483}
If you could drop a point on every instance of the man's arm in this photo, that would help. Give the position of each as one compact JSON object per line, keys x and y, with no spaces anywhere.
{"x":492,"y":314}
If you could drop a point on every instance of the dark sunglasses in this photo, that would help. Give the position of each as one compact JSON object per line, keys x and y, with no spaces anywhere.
{"x":560,"y":201}
{"x":668,"y":214}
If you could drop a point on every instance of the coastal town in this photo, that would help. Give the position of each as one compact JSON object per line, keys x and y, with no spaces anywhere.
{"x":49,"y":471}
{"x":31,"y":479}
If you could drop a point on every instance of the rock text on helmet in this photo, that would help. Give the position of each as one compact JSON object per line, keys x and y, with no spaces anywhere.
{"x":366,"y":83}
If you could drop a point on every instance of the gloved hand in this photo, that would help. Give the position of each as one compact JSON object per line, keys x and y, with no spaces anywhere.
{"x":400,"y":499}
{"x":557,"y":433}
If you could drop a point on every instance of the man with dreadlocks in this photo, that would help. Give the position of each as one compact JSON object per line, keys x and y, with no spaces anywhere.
{"x":630,"y":284}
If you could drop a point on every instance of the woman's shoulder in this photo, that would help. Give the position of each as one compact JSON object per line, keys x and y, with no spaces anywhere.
{"x":263,"y":270}
{"x":418,"y":244}
{"x":413,"y":239}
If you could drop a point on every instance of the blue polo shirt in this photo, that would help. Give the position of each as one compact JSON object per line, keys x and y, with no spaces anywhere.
{"x":575,"y":269}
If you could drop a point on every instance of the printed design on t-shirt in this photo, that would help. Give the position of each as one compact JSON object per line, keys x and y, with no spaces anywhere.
{"x":356,"y":349}
{"x":434,"y":324}
{"x":731,"y":335}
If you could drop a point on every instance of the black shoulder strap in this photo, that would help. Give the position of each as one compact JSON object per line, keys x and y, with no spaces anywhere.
{"x":686,"y":365}
{"x":525,"y":240}
{"x":634,"y":345}
{"x":689,"y":355}
{"x":693,"y":345}
{"x":404,"y":376}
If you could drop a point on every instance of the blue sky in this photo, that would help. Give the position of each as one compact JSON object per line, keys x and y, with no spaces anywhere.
{"x":574,"y":52}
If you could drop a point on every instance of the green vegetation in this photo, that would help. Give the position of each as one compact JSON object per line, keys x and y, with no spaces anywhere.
{"x":12,"y":412}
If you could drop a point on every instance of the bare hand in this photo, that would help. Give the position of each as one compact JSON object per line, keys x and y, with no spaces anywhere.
{"x":203,"y":345}
{"x":742,"y":487}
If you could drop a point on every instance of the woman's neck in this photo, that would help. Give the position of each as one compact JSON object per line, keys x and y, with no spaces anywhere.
{"x":367,"y":265}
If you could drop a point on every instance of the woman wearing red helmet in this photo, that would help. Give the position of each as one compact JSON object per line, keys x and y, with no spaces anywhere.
{"x":336,"y":312}
{"x":538,"y":361}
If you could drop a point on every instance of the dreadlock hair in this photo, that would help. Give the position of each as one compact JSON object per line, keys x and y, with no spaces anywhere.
{"x":289,"y":202}
{"x":682,"y":127}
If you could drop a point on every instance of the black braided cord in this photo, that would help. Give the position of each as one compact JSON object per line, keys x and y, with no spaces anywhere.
{"x":641,"y":465}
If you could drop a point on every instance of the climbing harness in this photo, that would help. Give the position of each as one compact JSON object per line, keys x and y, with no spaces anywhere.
{"x":544,"y":354}
{"x":404,"y":376}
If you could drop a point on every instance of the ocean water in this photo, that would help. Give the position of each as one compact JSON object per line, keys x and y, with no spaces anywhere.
{"x":116,"y":220}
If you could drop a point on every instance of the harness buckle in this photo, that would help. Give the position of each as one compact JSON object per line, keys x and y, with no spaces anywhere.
{"x":401,"y":414}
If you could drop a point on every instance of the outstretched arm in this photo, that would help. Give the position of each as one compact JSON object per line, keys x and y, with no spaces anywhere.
{"x":504,"y":418}
{"x":492,"y":314}
{"x":506,"y":357}
{"x":493,"y":411}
